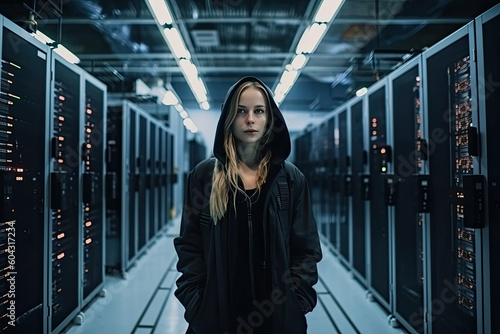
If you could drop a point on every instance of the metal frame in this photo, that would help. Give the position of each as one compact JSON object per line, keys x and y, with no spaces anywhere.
{"x":383,"y":83}
{"x":487,"y":248}
{"x":87,"y":78}
{"x":467,"y":30}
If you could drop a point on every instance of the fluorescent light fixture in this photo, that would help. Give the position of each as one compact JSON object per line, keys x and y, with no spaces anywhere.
{"x":298,"y":61}
{"x":141,"y":88}
{"x":362,"y":91}
{"x":179,"y":107}
{"x":160,"y":11}
{"x":198,"y":89}
{"x":189,"y":69}
{"x":175,"y":43}
{"x":205,"y":105}
{"x":288,"y":78}
{"x":183,"y":114}
{"x":42,"y":37}
{"x":310,"y":38}
{"x":170,"y":99}
{"x":66,"y":54}
{"x":327,"y":10}
{"x":279,"y":98}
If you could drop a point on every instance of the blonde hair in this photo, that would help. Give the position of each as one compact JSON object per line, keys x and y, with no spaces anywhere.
{"x":225,"y":177}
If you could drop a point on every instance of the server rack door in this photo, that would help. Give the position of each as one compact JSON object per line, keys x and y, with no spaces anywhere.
{"x":23,"y":175}
{"x":333,"y":226}
{"x":316,"y":181}
{"x":450,"y":110}
{"x":115,"y":189}
{"x":93,"y":188}
{"x":327,"y":226}
{"x":322,"y":176}
{"x":152,"y":163}
{"x":172,"y":175}
{"x":379,"y":220}
{"x":344,"y":188}
{"x":409,"y":208}
{"x":162,"y":177}
{"x":142,"y":217}
{"x":134,"y":185}
{"x":65,"y":193}
{"x":488,"y":44}
{"x":358,"y":205}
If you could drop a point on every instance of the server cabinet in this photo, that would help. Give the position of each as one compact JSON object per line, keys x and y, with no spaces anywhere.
{"x":143,"y":194}
{"x":411,"y":195}
{"x":488,"y":65}
{"x":455,"y":184}
{"x":117,"y":189}
{"x":93,"y":196}
{"x":162,"y":201}
{"x":359,"y":188}
{"x":172,"y":174}
{"x":134,"y":178}
{"x":24,"y":161}
{"x":380,"y":197}
{"x":344,"y":186}
{"x":153,"y":192}
{"x":130,"y":175}
{"x":65,"y":221}
{"x":322,"y":176}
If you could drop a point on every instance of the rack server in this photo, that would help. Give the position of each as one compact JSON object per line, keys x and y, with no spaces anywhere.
{"x":140,"y":152}
{"x":76,"y":223}
{"x":488,"y":74}
{"x":24,"y":118}
{"x":411,"y":195}
{"x":51,"y":162}
{"x":427,"y":171}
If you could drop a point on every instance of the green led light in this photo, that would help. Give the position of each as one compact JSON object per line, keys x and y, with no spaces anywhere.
{"x":384,"y":169}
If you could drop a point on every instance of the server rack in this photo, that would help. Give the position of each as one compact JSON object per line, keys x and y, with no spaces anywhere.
{"x":65,"y":221}
{"x":134,"y":182}
{"x":128,"y":179}
{"x":488,"y":74}
{"x":411,"y":201}
{"x":151,"y":184}
{"x":380,"y":179}
{"x":24,"y":175}
{"x":455,"y":185}
{"x":93,"y":195}
{"x":172,"y":174}
{"x":322,"y":177}
{"x":359,"y":188}
{"x":344,"y":189}
{"x":332,"y":223}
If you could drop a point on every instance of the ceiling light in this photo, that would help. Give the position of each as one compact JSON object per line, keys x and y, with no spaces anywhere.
{"x":160,"y":11}
{"x":288,"y":78}
{"x":178,"y":107}
{"x":42,"y":37}
{"x":361,"y":92}
{"x":310,"y":38}
{"x":188,"y":68}
{"x":175,"y":43}
{"x":170,"y":99}
{"x":327,"y":10}
{"x":298,"y":61}
{"x":66,"y":54}
{"x":279,"y":98}
{"x":205,"y":105}
{"x":183,"y":114}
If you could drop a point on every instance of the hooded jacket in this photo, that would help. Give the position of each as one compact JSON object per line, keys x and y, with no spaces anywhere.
{"x":206,"y":254}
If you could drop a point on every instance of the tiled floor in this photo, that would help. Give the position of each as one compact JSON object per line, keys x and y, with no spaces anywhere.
{"x":144,"y":301}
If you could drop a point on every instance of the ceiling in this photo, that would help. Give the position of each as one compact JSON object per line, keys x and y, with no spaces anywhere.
{"x":118,"y":41}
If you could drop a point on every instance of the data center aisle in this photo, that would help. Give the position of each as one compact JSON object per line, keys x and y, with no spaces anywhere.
{"x":144,"y":301}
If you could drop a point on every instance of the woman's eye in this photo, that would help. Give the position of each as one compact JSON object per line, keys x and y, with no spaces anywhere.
{"x":259,"y":111}
{"x":241,"y":111}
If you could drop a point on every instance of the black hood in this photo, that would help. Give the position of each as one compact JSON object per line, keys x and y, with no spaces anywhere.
{"x":279,"y":142}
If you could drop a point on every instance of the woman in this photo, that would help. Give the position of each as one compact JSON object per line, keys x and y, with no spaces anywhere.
{"x":248,"y":244}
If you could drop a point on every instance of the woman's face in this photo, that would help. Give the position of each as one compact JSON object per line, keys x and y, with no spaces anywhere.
{"x":249,"y":125}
